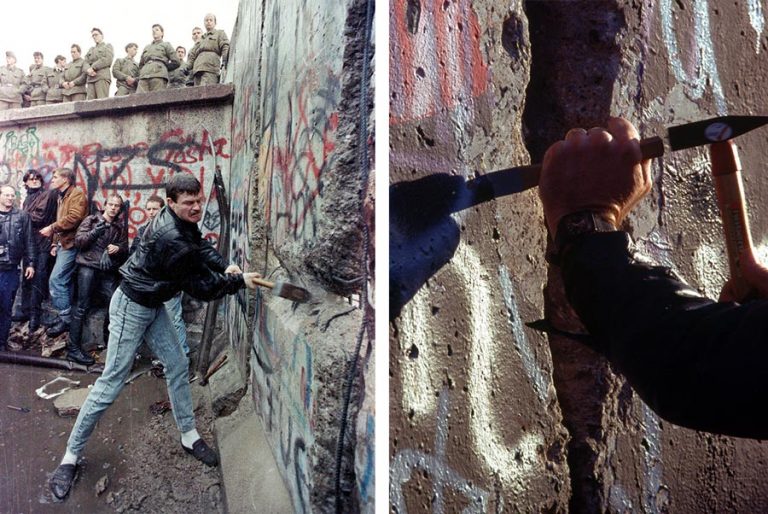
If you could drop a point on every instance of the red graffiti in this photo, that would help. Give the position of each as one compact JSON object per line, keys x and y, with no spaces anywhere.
{"x":435,"y":58}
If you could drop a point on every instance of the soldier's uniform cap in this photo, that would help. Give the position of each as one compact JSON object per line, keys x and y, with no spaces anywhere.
{"x":8,"y":53}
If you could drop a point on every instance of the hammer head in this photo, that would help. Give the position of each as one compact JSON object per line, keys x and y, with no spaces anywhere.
{"x":291,"y":292}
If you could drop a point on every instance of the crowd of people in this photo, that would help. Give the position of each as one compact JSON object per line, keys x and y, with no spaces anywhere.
{"x":89,"y":77}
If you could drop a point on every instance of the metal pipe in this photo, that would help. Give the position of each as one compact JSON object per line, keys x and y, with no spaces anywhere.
{"x":47,"y":362}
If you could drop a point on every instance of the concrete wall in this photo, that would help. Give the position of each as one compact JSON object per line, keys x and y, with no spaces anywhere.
{"x":126,"y":145}
{"x":486,"y":415}
{"x":299,"y":194}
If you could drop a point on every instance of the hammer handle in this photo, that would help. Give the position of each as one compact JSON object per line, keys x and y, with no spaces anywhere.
{"x":726,"y":171}
{"x":265,"y":283}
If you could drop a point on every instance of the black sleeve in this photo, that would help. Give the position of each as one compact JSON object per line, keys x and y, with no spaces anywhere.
{"x":201,"y":281}
{"x":30,"y":247}
{"x":695,"y":362}
{"x":88,"y":232}
{"x":212,"y":257}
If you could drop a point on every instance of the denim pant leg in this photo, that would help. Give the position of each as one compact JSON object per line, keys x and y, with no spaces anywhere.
{"x":161,"y":338}
{"x":126,"y":331}
{"x":9,"y":282}
{"x":175,"y":312}
{"x":61,"y":281}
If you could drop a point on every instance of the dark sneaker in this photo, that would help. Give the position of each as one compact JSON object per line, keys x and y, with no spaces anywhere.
{"x":202,"y":452}
{"x":62,"y":480}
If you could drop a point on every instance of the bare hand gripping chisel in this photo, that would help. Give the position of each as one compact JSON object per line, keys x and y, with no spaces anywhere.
{"x":514,"y":180}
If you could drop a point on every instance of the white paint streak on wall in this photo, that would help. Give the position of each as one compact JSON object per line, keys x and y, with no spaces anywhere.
{"x":761,"y":252}
{"x":418,"y":394}
{"x":654,"y":500}
{"x":706,"y":69}
{"x":538,"y":379}
{"x":513,"y":463}
{"x":755,"y":8}
{"x":441,"y":474}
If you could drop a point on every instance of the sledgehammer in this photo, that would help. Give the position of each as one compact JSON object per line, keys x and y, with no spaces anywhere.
{"x":286,"y":290}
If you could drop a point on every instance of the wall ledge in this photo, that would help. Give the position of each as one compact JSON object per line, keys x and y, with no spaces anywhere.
{"x":155,"y":101}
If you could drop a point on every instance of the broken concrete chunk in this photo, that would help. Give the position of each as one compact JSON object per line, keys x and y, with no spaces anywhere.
{"x":56,"y":387}
{"x":69,"y":403}
{"x":101,"y":485}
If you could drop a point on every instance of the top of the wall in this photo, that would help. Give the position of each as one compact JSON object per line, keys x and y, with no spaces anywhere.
{"x":158,"y":100}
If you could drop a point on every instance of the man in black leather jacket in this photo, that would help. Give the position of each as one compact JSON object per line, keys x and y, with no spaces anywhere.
{"x":172,"y":256}
{"x":16,"y":241}
{"x":102,"y":246}
{"x":696,"y":362}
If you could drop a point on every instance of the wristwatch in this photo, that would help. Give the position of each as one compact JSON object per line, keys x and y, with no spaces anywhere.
{"x":571,"y":227}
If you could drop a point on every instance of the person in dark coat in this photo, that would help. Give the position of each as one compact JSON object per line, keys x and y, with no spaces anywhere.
{"x":16,"y":242}
{"x":102,"y":246}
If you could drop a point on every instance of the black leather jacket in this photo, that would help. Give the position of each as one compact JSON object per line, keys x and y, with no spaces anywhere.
{"x":17,"y":240}
{"x":695,"y":362}
{"x":172,"y":256}
{"x":94,"y":235}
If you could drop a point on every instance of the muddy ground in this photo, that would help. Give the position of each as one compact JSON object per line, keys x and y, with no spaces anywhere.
{"x":133,"y":461}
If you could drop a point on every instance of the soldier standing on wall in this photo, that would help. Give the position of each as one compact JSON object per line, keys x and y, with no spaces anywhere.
{"x":98,"y":61}
{"x":36,"y":83}
{"x":209,"y":58}
{"x":126,"y":71}
{"x":197,"y":34}
{"x":55,"y":76}
{"x":695,"y":362}
{"x":179,"y":76}
{"x":73,"y":79}
{"x":157,"y":59}
{"x":11,"y":80}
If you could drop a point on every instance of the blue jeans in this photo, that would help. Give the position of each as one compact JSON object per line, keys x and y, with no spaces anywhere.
{"x":60,"y":282}
{"x":130,"y":323}
{"x":174,"y":311}
{"x":9,"y":282}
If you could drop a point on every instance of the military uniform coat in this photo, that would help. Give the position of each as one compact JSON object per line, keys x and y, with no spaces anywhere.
{"x":99,"y":58}
{"x":54,"y":85}
{"x":124,"y":68}
{"x":75,"y":72}
{"x":11,"y":83}
{"x":208,"y":53}
{"x":36,"y":84}
{"x":157,"y":59}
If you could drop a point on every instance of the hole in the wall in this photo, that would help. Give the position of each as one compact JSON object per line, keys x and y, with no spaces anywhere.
{"x":496,"y":236}
{"x":435,"y":310}
{"x":413,"y":352}
{"x":420,"y":72}
{"x":412,"y":15}
{"x":512,"y":35}
{"x":423,"y":137}
{"x":450,"y":350}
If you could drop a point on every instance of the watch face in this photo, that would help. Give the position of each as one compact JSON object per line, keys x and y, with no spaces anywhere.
{"x":579,"y":224}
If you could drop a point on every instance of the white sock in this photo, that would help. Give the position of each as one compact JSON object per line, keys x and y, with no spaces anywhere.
{"x":188,"y":438}
{"x":69,"y":458}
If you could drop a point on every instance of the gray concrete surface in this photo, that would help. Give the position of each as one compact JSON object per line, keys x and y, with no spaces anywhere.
{"x":251,"y":479}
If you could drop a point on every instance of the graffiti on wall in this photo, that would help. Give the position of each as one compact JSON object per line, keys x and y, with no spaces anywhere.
{"x":300,"y":103}
{"x":135,"y":171}
{"x":284,"y":395}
